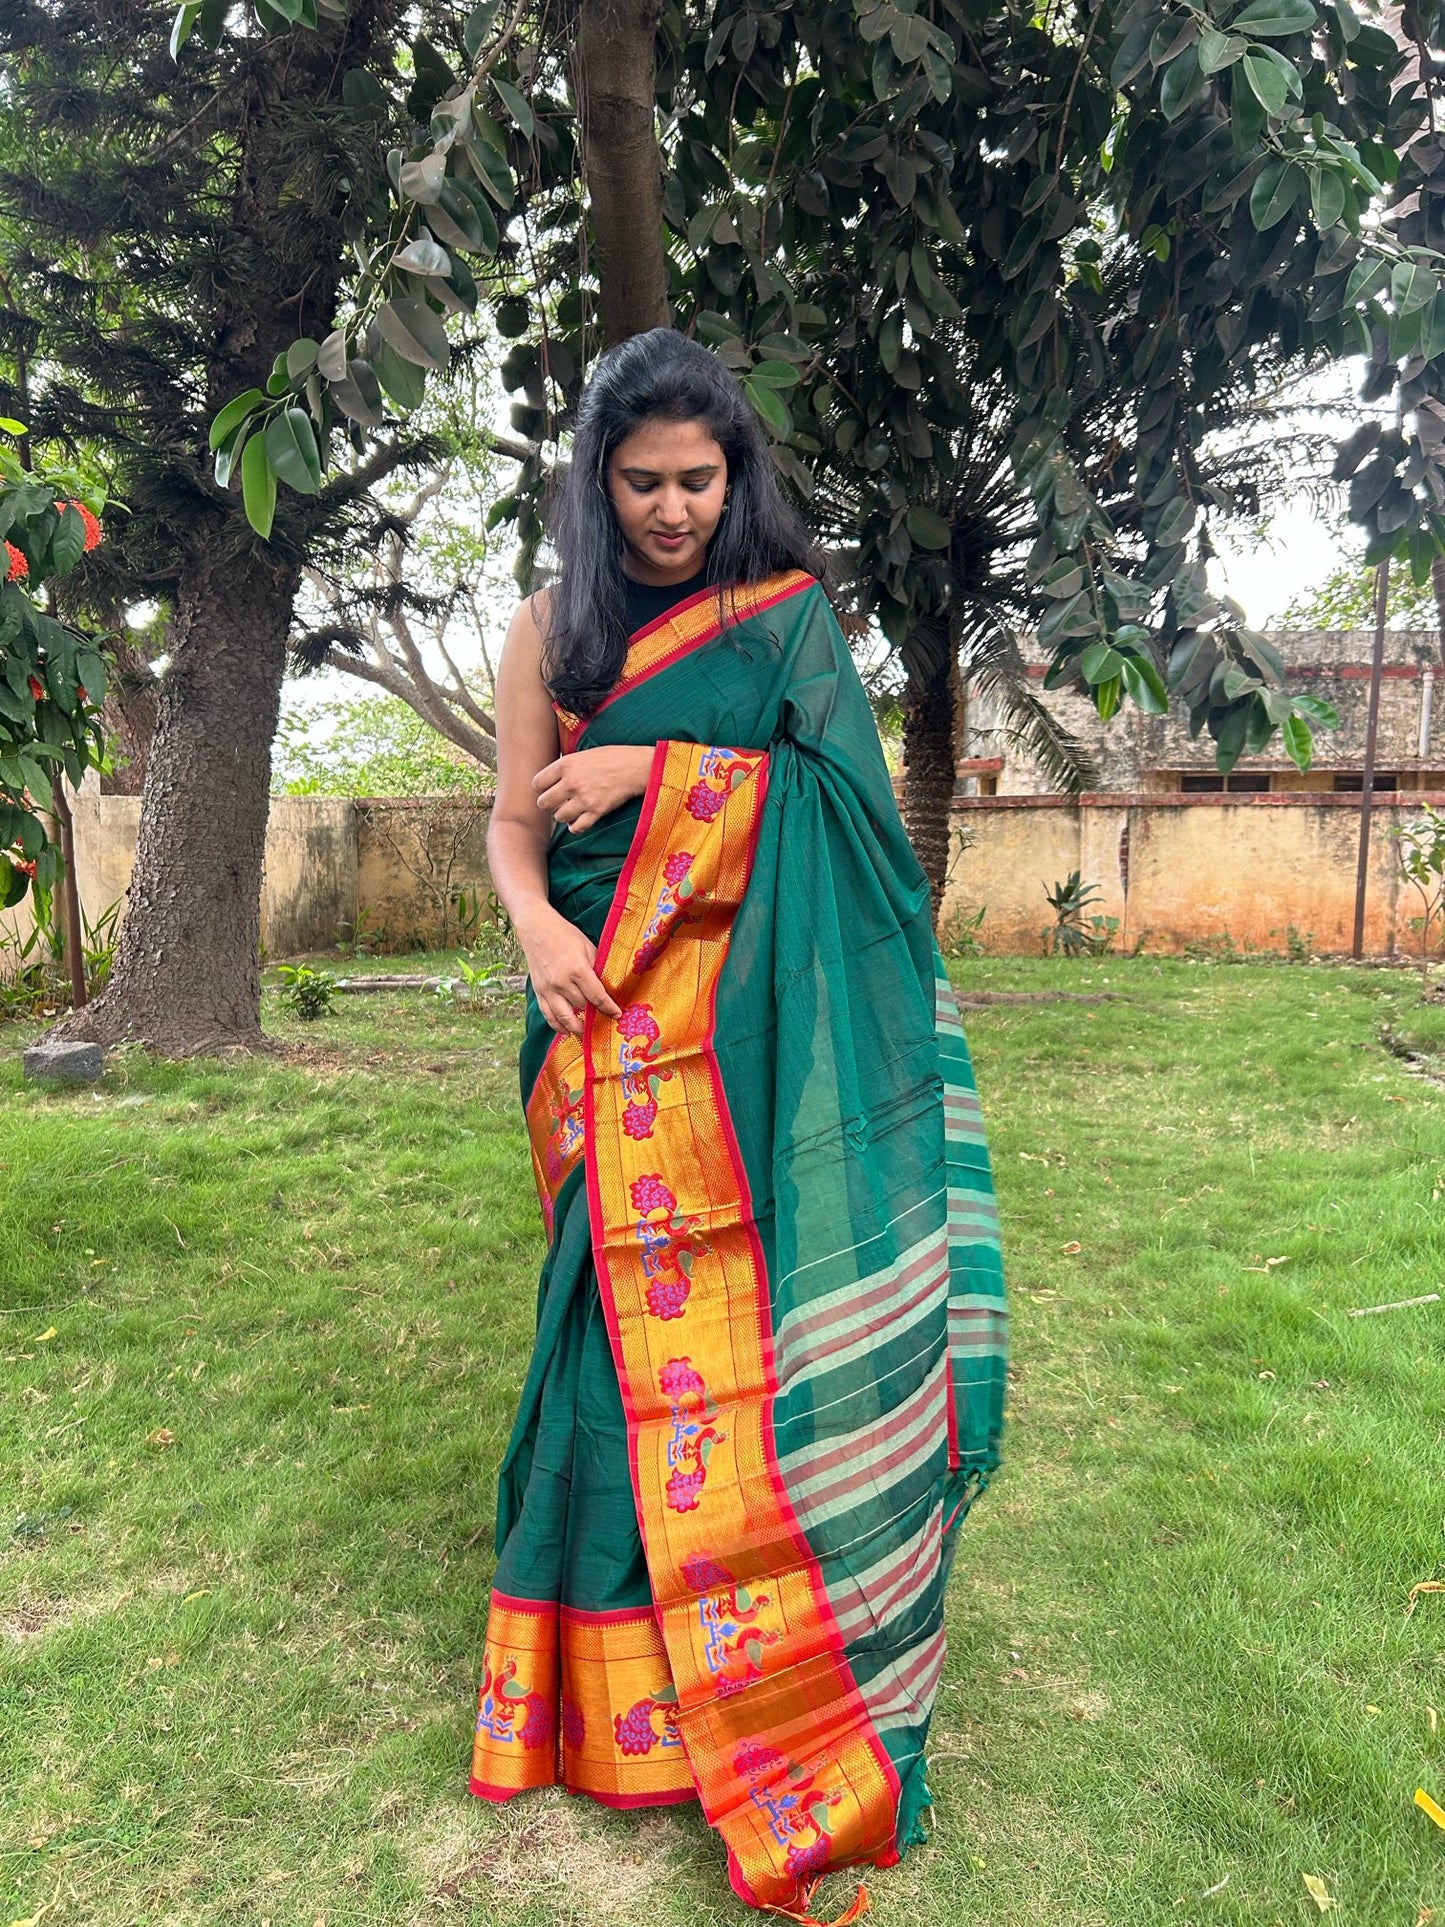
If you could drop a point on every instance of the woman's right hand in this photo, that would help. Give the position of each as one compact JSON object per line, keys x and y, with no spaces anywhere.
{"x":560,"y":962}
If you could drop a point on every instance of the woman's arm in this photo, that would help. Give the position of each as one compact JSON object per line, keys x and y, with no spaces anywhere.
{"x":560,"y":957}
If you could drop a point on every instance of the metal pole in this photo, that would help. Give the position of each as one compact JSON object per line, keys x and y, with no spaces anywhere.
{"x":1372,"y":723}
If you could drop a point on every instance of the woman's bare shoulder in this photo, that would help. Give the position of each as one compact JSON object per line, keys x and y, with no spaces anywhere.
{"x":529,"y":623}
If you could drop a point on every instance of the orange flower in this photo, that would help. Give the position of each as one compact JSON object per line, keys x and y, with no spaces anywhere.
{"x":35,"y":689}
{"x":80,"y":692}
{"x":18,"y":565}
{"x":92,"y":527}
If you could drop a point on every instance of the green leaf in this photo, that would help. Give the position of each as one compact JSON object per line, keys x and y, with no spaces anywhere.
{"x":1182,"y":83}
{"x":421,"y":180}
{"x":1316,"y":710}
{"x":517,"y":105}
{"x":479,"y":24}
{"x":1099,"y":663}
{"x":233,"y":414}
{"x":1068,"y":619}
{"x":211,"y":25}
{"x":454,"y":220}
{"x":1274,"y":193}
{"x":777,"y":374}
{"x":928,"y":528}
{"x":13,"y":885}
{"x":1411,"y":286}
{"x":1262,"y":69}
{"x":67,"y":545}
{"x":362,"y":93}
{"x":1063,"y":580}
{"x":1327,"y":196}
{"x":454,"y":191}
{"x":291,"y":446}
{"x":402,"y":380}
{"x":358,"y":394}
{"x":258,"y":486}
{"x":185,"y":19}
{"x":301,"y":358}
{"x":1143,"y":682}
{"x":770,"y":405}
{"x":1367,"y":277}
{"x":1297,"y":740}
{"x":911,"y":37}
{"x":415,"y":332}
{"x":493,"y":173}
{"x":423,"y":256}
{"x":229,"y":453}
{"x":1217,"y":50}
{"x":1107,"y":698}
{"x":1272,"y":19}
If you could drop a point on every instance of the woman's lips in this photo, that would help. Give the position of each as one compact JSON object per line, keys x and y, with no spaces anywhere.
{"x":669,"y":541}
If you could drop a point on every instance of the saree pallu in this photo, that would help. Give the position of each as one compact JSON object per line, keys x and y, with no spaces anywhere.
{"x":769,"y":1371}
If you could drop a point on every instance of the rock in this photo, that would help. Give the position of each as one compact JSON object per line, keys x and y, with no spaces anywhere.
{"x":65,"y":1063}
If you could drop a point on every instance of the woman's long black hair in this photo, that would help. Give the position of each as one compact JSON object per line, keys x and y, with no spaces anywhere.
{"x":657,"y":376}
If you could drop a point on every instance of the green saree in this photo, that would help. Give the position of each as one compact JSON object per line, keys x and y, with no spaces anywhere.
{"x":768,"y":1377}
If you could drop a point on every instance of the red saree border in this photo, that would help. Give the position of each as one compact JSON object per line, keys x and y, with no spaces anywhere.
{"x":787,"y":1762}
{"x":685,"y":627}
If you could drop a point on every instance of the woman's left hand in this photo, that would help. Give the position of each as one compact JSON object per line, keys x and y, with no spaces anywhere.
{"x":580,"y":787}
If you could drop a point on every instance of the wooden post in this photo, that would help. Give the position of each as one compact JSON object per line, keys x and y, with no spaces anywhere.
{"x":70,"y":894}
{"x":1372,"y":722}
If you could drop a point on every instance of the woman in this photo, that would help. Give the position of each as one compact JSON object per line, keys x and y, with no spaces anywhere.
{"x":768,"y":1374}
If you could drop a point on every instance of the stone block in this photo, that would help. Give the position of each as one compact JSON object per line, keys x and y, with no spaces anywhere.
{"x":65,"y":1063}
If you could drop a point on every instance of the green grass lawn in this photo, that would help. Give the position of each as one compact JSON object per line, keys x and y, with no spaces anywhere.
{"x":264,"y":1324}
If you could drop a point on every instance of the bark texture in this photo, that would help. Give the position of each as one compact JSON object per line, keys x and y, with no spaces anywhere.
{"x":932,"y":717}
{"x":130,"y":707}
{"x":187,"y":973}
{"x":614,"y":71}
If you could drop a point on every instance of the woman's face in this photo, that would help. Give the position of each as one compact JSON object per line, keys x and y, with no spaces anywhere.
{"x":668,"y":482}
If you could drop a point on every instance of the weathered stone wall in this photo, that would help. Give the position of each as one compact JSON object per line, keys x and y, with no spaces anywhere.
{"x":1132,"y":751}
{"x":1184,"y":869}
{"x":327,"y":860}
{"x":410,"y":852}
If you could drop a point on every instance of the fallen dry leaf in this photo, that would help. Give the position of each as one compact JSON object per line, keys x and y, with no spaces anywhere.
{"x":1428,"y":1806}
{"x":161,"y":1436}
{"x":1425,"y":1585}
{"x":1318,"y":1892}
{"x":45,"y":1337}
{"x":1071,"y":1250}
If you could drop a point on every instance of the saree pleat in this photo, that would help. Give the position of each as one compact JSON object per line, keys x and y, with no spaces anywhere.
{"x":766,"y":1186}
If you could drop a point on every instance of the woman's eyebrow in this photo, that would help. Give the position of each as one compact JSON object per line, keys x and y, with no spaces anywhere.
{"x":654,"y":475}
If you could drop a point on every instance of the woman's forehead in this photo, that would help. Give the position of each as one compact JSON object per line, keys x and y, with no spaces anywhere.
{"x":663,"y":447}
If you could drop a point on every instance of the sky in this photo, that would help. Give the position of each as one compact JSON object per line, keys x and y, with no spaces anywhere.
{"x":1265,"y":576}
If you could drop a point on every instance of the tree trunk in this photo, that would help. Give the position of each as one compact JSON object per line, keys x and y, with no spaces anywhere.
{"x":932,"y":712}
{"x":187,"y":973}
{"x":129,"y":711}
{"x":614,"y":72}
